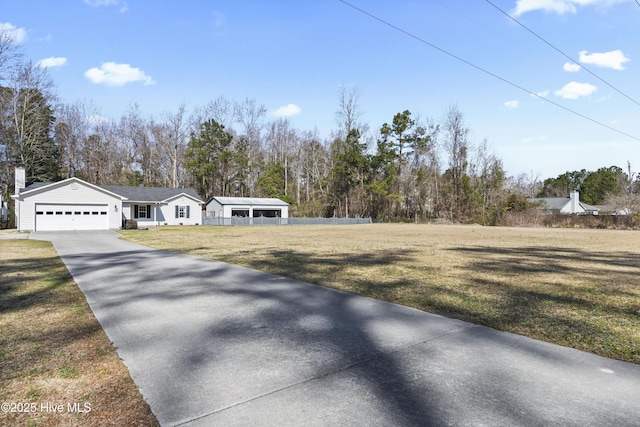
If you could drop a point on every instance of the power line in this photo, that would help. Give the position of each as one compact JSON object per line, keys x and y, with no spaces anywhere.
{"x":564,"y":54}
{"x":413,"y":36}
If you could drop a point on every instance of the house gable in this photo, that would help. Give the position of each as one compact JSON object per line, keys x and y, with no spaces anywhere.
{"x":72,"y":183}
{"x":71,"y":204}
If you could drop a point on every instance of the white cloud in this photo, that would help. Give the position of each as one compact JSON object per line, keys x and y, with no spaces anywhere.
{"x":571,"y":67}
{"x":575,"y":90}
{"x":287,"y":111}
{"x":613,"y":59}
{"x":51,"y":62}
{"x":18,"y":35}
{"x":511,"y":104}
{"x":101,"y":3}
{"x":114,"y":74}
{"x":559,"y":6}
{"x":542,"y":94}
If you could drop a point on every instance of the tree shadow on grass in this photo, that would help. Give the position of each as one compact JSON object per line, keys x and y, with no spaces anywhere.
{"x":283,"y":334}
{"x":16,"y":276}
{"x":584,"y":299}
{"x":227,"y":345}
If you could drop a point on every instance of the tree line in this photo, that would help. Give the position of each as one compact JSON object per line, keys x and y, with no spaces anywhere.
{"x":409,"y":168}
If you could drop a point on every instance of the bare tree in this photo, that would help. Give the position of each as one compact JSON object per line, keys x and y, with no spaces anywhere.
{"x":27,"y":121}
{"x":457,"y":146}
{"x":349,"y":112}
{"x":74,"y":124}
{"x":11,"y":54}
{"x":281,"y":142}
{"x":251,"y":116}
{"x":171,"y":138}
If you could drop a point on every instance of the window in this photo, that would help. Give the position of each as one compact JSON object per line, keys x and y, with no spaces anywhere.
{"x":142,"y":211}
{"x":182,"y":211}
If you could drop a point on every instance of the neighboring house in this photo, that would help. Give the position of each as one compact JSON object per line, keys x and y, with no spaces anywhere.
{"x":251,"y":207}
{"x":564,"y":205}
{"x":74,"y":204}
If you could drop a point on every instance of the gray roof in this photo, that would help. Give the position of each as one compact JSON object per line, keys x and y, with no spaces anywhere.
{"x":255,"y":201}
{"x":149,"y":194}
{"x":552,"y":203}
{"x":137,"y":194}
{"x":35,"y":185}
{"x":557,"y":203}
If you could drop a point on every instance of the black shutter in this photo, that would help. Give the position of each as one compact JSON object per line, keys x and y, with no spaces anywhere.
{"x":148,"y":211}
{"x":188,"y":211}
{"x":135,"y":211}
{"x":177,"y":211}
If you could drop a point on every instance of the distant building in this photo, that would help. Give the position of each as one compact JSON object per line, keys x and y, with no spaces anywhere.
{"x":250,"y":207}
{"x":564,"y":205}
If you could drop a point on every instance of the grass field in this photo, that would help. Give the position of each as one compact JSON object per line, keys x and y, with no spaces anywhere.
{"x":53,"y":352}
{"x":577,"y":288}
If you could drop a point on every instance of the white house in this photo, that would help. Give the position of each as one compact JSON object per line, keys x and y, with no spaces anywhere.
{"x":565,"y":205}
{"x":251,"y":207}
{"x":74,"y":204}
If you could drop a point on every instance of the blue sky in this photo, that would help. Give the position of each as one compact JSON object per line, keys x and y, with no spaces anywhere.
{"x":293,"y":56}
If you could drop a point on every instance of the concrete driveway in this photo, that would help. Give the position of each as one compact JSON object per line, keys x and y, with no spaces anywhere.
{"x":212,"y":344}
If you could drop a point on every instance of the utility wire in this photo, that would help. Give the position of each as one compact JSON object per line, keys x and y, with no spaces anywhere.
{"x":413,"y":36}
{"x":564,"y":54}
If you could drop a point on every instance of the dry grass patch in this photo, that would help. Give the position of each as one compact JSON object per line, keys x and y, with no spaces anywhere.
{"x":53,"y":352}
{"x":577,"y":288}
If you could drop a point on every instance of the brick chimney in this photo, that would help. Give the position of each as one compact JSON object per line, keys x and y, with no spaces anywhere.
{"x":20,"y":180}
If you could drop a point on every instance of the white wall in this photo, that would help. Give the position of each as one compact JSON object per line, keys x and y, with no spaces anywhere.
{"x":165,"y":213}
{"x":216,"y":209}
{"x":66,"y":192}
{"x":168,"y":212}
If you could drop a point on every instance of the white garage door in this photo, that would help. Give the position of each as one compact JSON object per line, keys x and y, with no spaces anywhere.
{"x":71,"y":217}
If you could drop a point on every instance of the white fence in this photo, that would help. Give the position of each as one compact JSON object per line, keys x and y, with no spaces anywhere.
{"x":238,"y":220}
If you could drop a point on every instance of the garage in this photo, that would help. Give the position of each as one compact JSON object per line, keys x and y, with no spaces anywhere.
{"x":51,"y":217}
{"x":251,"y":207}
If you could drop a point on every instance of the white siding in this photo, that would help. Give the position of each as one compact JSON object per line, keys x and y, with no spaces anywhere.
{"x":165,"y":213}
{"x":214,"y":208}
{"x":67,"y":192}
{"x":168,"y":212}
